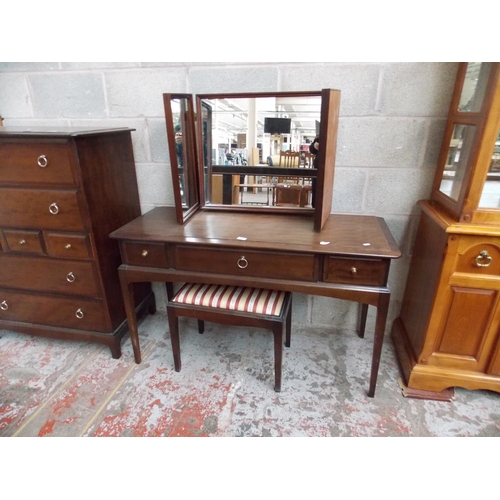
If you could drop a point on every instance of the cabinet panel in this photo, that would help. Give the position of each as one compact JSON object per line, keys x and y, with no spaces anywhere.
{"x":467,"y":321}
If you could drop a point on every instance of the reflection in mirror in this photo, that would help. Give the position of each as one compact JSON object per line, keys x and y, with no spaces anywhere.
{"x":178,"y":111}
{"x":257,"y":150}
{"x":476,"y":78}
{"x":456,"y":162}
{"x":180,"y":135}
{"x":490,"y":196}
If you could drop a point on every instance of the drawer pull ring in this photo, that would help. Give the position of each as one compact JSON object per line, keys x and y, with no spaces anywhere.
{"x":67,"y":246}
{"x":42,"y":161}
{"x":353,"y":270}
{"x":4,"y":306}
{"x":242,"y":263}
{"x":79,"y":314}
{"x":70,"y":277}
{"x":144,"y":253}
{"x":22,"y":242}
{"x":54,"y":209}
{"x":484,"y":259}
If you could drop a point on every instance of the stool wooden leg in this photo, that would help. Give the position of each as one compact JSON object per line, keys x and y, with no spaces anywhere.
{"x":201,"y":326}
{"x":278,"y":355}
{"x":173,"y":323}
{"x":363,"y":312}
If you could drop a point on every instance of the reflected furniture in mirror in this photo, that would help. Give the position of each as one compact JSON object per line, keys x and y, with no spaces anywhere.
{"x":448,"y":332}
{"x":279,"y":245}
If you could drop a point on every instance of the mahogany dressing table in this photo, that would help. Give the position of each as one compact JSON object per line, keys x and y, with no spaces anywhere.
{"x":302,"y":249}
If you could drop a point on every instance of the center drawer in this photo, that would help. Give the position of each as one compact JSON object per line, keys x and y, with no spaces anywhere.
{"x":53,"y":275}
{"x":281,"y":265}
{"x":44,"y":209}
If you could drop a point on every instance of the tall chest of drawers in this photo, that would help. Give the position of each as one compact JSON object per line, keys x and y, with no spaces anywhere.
{"x":62,"y":191}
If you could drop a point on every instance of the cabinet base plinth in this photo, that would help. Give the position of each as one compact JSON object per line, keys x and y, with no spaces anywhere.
{"x":420,"y":379}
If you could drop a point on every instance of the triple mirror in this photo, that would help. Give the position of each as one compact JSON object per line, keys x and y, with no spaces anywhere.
{"x":258,"y":152}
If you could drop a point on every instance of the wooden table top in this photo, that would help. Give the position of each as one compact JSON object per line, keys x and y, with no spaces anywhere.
{"x":353,"y":235}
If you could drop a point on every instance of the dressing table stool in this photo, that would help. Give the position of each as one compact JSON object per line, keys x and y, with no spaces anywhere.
{"x":233,"y":305}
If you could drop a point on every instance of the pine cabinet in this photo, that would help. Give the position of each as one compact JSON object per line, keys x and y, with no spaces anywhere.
{"x":448,"y":331}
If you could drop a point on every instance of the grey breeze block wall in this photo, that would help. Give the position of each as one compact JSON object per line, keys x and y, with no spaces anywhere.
{"x":392,"y":118}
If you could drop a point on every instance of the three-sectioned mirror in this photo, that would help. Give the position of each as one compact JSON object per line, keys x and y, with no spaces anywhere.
{"x":258,"y":152}
{"x":179,"y":117}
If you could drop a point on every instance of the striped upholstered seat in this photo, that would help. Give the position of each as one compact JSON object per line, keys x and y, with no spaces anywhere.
{"x":233,"y":305}
{"x":234,"y":298}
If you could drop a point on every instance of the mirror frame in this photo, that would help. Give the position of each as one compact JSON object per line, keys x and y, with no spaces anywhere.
{"x":191,"y":169}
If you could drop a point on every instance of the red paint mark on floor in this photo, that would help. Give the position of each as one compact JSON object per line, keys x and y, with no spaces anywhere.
{"x":47,"y":428}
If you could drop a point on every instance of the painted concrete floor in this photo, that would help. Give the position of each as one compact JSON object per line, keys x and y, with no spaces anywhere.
{"x":59,"y":388}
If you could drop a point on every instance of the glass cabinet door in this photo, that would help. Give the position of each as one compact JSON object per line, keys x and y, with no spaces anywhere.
{"x":462,"y":185}
{"x":490,"y":196}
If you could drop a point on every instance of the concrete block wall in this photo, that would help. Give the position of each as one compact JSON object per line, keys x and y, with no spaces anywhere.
{"x":392,"y":118}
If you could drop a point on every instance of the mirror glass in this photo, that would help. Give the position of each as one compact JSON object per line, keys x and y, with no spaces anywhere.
{"x":476,"y":78}
{"x":180,"y":135}
{"x":258,"y":150}
{"x":490,"y":196}
{"x":456,"y":162}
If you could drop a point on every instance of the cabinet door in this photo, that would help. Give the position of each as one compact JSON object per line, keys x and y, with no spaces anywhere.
{"x":469,"y":325}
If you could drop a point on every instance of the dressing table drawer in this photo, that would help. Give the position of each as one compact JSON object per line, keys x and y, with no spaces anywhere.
{"x":355,"y":271}
{"x":144,"y":254}
{"x":281,"y":265}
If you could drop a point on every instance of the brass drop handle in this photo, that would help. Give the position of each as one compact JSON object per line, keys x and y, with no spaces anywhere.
{"x":4,"y":306}
{"x":53,"y":209}
{"x":145,"y":253}
{"x":70,"y":277}
{"x":79,"y":314}
{"x":484,"y":259}
{"x":42,"y":161}
{"x":242,"y":263}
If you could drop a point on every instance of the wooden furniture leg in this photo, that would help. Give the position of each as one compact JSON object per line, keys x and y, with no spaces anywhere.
{"x":128,"y":299}
{"x":382,"y":309}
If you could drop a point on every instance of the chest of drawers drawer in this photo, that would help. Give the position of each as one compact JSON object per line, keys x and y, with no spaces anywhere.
{"x":36,"y":162}
{"x":82,"y":314}
{"x":44,"y":209}
{"x":23,"y":241}
{"x":361,"y":272}
{"x":68,"y":245}
{"x":263,"y":264}
{"x":45,"y":274}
